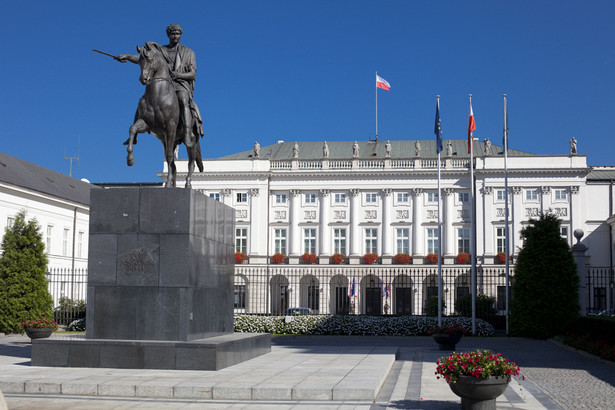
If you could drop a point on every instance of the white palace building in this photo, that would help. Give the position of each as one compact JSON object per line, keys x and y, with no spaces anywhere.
{"x":380,"y":197}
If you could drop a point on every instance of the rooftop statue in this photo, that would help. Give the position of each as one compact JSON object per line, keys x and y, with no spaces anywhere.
{"x":573,"y":146}
{"x":257,"y":149}
{"x":417,"y":149}
{"x":355,"y":150}
{"x":325,"y":150}
{"x":487,"y":146}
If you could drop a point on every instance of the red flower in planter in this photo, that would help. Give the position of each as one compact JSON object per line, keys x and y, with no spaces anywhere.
{"x":432,"y":258}
{"x":240,"y":257}
{"x":462,"y":258}
{"x":402,"y":259}
{"x":501,"y":258}
{"x":370,"y":258}
{"x":278,"y":258}
{"x":337,"y":258}
{"x":309,"y":257}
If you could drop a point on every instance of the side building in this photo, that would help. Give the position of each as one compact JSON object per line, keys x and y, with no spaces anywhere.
{"x":61,"y":205}
{"x":311,"y":216}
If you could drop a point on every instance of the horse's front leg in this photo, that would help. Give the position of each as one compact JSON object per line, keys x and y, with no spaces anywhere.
{"x":139,"y":127}
{"x":169,"y":153}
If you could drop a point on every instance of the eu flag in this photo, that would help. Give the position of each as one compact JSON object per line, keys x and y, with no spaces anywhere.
{"x":438,"y":128}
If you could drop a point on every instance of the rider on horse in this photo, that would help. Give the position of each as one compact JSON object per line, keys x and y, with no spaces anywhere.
{"x":182,"y":66}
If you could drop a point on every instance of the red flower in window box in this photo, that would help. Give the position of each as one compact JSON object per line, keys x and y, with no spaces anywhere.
{"x":278,"y":258}
{"x":432,"y":258}
{"x":462,"y":258}
{"x":240,"y":257}
{"x":337,"y":258}
{"x":370,"y":258}
{"x":501,"y":258}
{"x":402,"y":259}
{"x":309,"y":257}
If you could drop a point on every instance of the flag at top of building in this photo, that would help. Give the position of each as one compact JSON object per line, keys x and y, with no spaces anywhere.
{"x":471,"y":127}
{"x":382,"y":83}
{"x":438,"y":129}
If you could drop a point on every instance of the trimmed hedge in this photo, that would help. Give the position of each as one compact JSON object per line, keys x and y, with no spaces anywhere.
{"x":353,"y":325}
{"x":596,"y":327}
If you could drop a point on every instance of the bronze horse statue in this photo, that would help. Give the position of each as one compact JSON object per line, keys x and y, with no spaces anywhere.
{"x":158,"y":113}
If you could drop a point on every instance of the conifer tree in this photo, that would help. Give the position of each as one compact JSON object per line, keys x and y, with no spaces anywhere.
{"x":23,"y":285}
{"x":545,"y":287}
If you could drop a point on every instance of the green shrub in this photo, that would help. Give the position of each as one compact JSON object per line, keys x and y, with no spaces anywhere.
{"x":545,"y":287}
{"x":23,"y":285}
{"x":431,"y":306}
{"x":76,"y":325}
{"x":485,"y":306}
{"x":596,"y":327}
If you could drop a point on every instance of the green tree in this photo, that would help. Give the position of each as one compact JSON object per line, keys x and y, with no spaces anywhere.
{"x":23,"y":285}
{"x":485,"y":306}
{"x":545,"y":287}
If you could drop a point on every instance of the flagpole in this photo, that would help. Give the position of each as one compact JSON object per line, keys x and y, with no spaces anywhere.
{"x":507,"y":228}
{"x":439,"y":230}
{"x":472,"y":224}
{"x":376,"y":105}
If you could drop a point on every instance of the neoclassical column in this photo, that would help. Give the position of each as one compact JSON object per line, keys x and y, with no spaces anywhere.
{"x":545,"y":190}
{"x":449,"y":233}
{"x":487,"y":219}
{"x":418,"y":234}
{"x":325,"y":232}
{"x":295,"y":231}
{"x":387,"y":236}
{"x":226,"y":197}
{"x":516,"y":216}
{"x":355,"y":234}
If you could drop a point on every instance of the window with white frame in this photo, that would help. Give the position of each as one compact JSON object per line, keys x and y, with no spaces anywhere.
{"x":463,"y":240}
{"x":402,"y":198}
{"x":560,"y":194}
{"x":309,"y":198}
{"x":215,"y":195}
{"x":279,"y":241}
{"x":402,"y":236}
{"x":309,"y":240}
{"x":242,"y":197}
{"x":563,"y":231}
{"x":500,"y":195}
{"x":280,"y":199}
{"x":48,"y":238}
{"x":371,"y":198}
{"x":80,"y":237}
{"x":433,"y":245}
{"x":339,"y":198}
{"x":371,"y":240}
{"x":463,"y":196}
{"x":531,"y":194}
{"x":10,"y":221}
{"x":500,"y":239}
{"x":432,"y":197}
{"x":339,"y":240}
{"x":241,"y":240}
{"x":65,"y":238}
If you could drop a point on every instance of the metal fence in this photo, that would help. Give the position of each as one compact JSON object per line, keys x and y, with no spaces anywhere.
{"x":68,"y":288}
{"x":599,"y":289}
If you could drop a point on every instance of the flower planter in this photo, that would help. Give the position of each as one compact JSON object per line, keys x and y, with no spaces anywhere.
{"x":478,"y":393}
{"x":447,"y":341}
{"x":39,"y":332}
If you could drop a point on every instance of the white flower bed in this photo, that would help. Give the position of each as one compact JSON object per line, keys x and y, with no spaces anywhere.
{"x":353,"y":325}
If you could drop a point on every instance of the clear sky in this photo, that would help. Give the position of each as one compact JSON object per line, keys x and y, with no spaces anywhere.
{"x":305,"y":71}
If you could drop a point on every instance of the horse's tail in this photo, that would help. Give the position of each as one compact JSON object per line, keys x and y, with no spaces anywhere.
{"x":198,"y":158}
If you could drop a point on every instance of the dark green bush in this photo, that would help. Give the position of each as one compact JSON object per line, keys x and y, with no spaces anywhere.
{"x":23,"y":285}
{"x":545,"y":287}
{"x":431,"y":306}
{"x":485,"y":306}
{"x":596,"y":327}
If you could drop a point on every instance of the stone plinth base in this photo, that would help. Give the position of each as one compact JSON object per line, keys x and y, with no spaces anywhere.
{"x":212,"y":353}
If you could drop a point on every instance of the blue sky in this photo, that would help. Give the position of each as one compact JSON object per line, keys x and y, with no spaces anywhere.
{"x":305,"y":71}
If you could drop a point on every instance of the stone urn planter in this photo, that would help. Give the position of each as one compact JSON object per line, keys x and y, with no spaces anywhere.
{"x":478,"y":393}
{"x":447,"y":341}
{"x":38,"y":332}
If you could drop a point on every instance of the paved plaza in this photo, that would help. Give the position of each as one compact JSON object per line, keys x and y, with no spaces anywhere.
{"x":325,"y":372}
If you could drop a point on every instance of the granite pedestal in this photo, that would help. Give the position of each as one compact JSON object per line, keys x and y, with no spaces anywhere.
{"x":160,"y":285}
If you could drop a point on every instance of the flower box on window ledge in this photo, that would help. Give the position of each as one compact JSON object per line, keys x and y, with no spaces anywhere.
{"x":402,"y":259}
{"x":278,"y":258}
{"x":501,"y":258}
{"x":370,"y":258}
{"x":337,"y":258}
{"x":240,"y":257}
{"x":431,"y":258}
{"x":309,"y":258}
{"x":463,"y":258}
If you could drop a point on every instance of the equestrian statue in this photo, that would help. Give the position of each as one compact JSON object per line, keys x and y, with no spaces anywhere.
{"x":167,"y":108}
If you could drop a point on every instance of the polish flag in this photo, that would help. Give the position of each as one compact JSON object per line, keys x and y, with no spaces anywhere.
{"x":382,"y":83}
{"x":471,"y":127}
